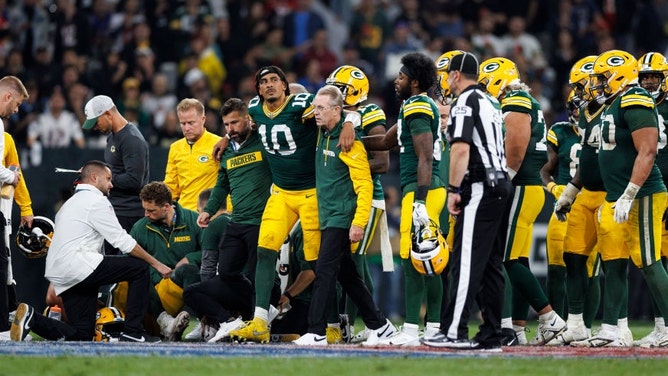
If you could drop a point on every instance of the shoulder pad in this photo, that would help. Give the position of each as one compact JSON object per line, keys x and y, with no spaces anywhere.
{"x":636,"y":96}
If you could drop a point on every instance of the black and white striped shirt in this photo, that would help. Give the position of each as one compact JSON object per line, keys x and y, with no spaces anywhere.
{"x":476,"y":118}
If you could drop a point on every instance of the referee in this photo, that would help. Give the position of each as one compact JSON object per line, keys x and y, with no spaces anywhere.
{"x":478,"y":191}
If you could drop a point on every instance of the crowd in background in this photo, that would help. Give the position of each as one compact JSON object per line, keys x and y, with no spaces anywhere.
{"x":148,"y":54}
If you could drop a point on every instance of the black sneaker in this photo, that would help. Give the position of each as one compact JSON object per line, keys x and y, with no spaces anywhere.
{"x":138,"y":337}
{"x":345,"y":327}
{"x":509,"y":337}
{"x":441,"y":340}
{"x":22,"y":322}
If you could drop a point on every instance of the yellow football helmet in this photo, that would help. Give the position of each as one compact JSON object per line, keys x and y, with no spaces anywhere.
{"x":573,"y":104}
{"x":613,"y":71}
{"x":496,"y":74}
{"x":442,"y":65}
{"x":352,"y":82}
{"x":653,"y":63}
{"x":578,"y":78}
{"x":429,"y":253}
{"x":109,"y":323}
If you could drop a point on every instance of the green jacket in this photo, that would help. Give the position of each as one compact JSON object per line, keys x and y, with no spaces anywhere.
{"x":343,"y":182}
{"x":170,"y":244}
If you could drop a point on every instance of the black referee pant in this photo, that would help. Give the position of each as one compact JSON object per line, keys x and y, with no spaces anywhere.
{"x":476,"y":263}
{"x":80,"y":300}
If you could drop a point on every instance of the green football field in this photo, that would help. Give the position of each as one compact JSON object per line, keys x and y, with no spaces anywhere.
{"x":290,"y":360}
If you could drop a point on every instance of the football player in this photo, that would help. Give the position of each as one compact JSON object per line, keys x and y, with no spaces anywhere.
{"x":652,"y":71}
{"x":417,"y":133}
{"x":582,"y":235}
{"x":289,"y":146}
{"x":563,"y":152}
{"x":354,"y":86}
{"x":526,"y":153}
{"x":635,"y":194}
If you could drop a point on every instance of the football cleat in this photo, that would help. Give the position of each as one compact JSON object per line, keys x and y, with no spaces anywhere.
{"x":362,"y":336}
{"x":311,"y":339}
{"x":225,"y":329}
{"x":385,"y":331}
{"x":608,"y":336}
{"x":22,"y":322}
{"x":547,"y":329}
{"x":574,"y":332}
{"x":254,"y":331}
{"x":334,"y":335}
{"x":408,"y":336}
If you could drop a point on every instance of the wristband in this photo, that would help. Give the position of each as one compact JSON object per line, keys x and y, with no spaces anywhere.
{"x":421,"y":193}
{"x":454,"y":189}
{"x":550,"y":186}
{"x":287,"y":295}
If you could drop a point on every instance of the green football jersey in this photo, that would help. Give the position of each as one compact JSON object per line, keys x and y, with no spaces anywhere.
{"x":590,"y":127}
{"x":564,"y":139}
{"x":536,"y":153}
{"x":373,"y":116}
{"x":662,"y":155}
{"x":290,"y":144}
{"x":245,"y":175}
{"x":417,"y":107}
{"x":632,"y":110}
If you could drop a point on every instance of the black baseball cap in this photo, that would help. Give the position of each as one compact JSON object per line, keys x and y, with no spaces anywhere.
{"x":465,"y":63}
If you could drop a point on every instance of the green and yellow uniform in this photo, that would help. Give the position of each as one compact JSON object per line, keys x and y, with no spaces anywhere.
{"x":632,"y":110}
{"x":289,"y":146}
{"x":662,"y":159}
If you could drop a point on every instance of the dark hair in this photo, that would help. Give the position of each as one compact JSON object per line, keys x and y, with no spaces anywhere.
{"x":156,"y":191}
{"x":271,"y":69}
{"x":91,"y":167}
{"x":420,"y":68}
{"x":233,"y":104}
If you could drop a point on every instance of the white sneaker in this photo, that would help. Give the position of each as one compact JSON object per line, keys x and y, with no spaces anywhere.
{"x":574,"y":332}
{"x":5,"y":336}
{"x":311,"y":339}
{"x":195,"y":334}
{"x":172,"y":327}
{"x":521,"y":334}
{"x":608,"y":336}
{"x":430,"y":331}
{"x":626,"y":336}
{"x":385,"y":331}
{"x":407,"y":336}
{"x":648,"y":340}
{"x":225,"y":329}
{"x":361,"y":336}
{"x":548,"y":328}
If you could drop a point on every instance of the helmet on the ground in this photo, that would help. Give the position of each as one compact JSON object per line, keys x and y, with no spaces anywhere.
{"x":352,"y":82}
{"x":429,"y":253}
{"x":653,"y":63}
{"x":442,"y":66}
{"x":496,"y":74}
{"x":109,"y":323}
{"x":613,"y":71}
{"x":34,"y":242}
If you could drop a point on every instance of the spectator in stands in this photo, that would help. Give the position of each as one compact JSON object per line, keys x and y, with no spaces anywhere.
{"x":57,"y":127}
{"x":370,"y":30}
{"x":159,"y":101}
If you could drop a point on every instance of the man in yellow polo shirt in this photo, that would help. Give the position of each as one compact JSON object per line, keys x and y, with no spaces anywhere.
{"x":190,"y":166}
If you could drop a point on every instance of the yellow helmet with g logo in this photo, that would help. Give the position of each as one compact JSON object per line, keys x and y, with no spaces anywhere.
{"x":496,"y":74}
{"x":613,"y":71}
{"x":352,"y":82}
{"x":429,"y":254}
{"x":109,"y":323}
{"x":442,"y":66}
{"x":580,"y":72}
{"x":653,"y":64}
